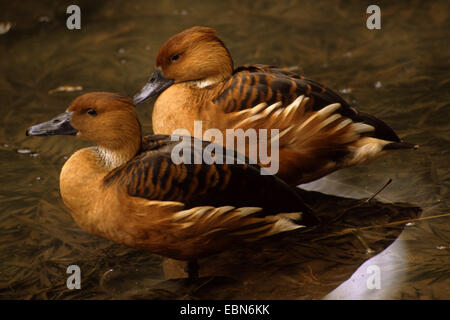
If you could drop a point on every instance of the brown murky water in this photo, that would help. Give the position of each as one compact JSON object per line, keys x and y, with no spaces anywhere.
{"x":399,"y":73}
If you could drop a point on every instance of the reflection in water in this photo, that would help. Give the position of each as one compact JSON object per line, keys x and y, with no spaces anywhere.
{"x":398,"y":73}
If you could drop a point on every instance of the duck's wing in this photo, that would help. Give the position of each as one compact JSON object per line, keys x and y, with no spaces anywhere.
{"x":155,"y":175}
{"x":253,"y":84}
{"x":186,"y":211}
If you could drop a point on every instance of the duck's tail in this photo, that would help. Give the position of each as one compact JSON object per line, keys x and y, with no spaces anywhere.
{"x":381,"y":129}
{"x":400,"y":145}
{"x":313,"y":144}
{"x":323,"y":141}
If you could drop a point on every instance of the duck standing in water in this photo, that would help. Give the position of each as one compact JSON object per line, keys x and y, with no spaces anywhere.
{"x":194,"y":79}
{"x":128,"y":189}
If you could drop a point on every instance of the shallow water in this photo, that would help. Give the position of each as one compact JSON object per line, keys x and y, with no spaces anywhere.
{"x":399,"y":73}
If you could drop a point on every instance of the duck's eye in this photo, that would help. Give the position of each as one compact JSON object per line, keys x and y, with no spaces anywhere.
{"x":175,"y":57}
{"x":92,"y":112}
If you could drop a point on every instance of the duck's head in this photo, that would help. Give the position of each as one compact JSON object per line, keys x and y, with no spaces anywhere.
{"x":107,"y":119}
{"x":194,"y":55}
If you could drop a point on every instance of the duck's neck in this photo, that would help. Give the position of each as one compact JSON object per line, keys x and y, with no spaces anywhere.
{"x":112,"y":157}
{"x":187,"y":99}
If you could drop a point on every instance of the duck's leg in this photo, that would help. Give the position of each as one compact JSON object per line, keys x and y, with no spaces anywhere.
{"x":192,"y":269}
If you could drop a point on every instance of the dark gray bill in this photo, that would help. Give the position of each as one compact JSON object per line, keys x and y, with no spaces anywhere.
{"x":155,"y":85}
{"x":60,"y":125}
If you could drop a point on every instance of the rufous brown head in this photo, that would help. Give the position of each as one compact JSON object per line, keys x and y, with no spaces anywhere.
{"x":196,"y":54}
{"x":107,"y":119}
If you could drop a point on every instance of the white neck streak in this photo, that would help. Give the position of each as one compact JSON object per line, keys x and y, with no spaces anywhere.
{"x":203,"y":83}
{"x":111,"y":159}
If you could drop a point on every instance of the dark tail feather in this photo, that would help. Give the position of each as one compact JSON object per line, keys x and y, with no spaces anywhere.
{"x":400,"y":145}
{"x":382,"y":130}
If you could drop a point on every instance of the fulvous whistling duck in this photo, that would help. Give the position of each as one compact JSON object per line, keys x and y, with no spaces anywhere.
{"x":194,"y":79}
{"x":128,"y":189}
